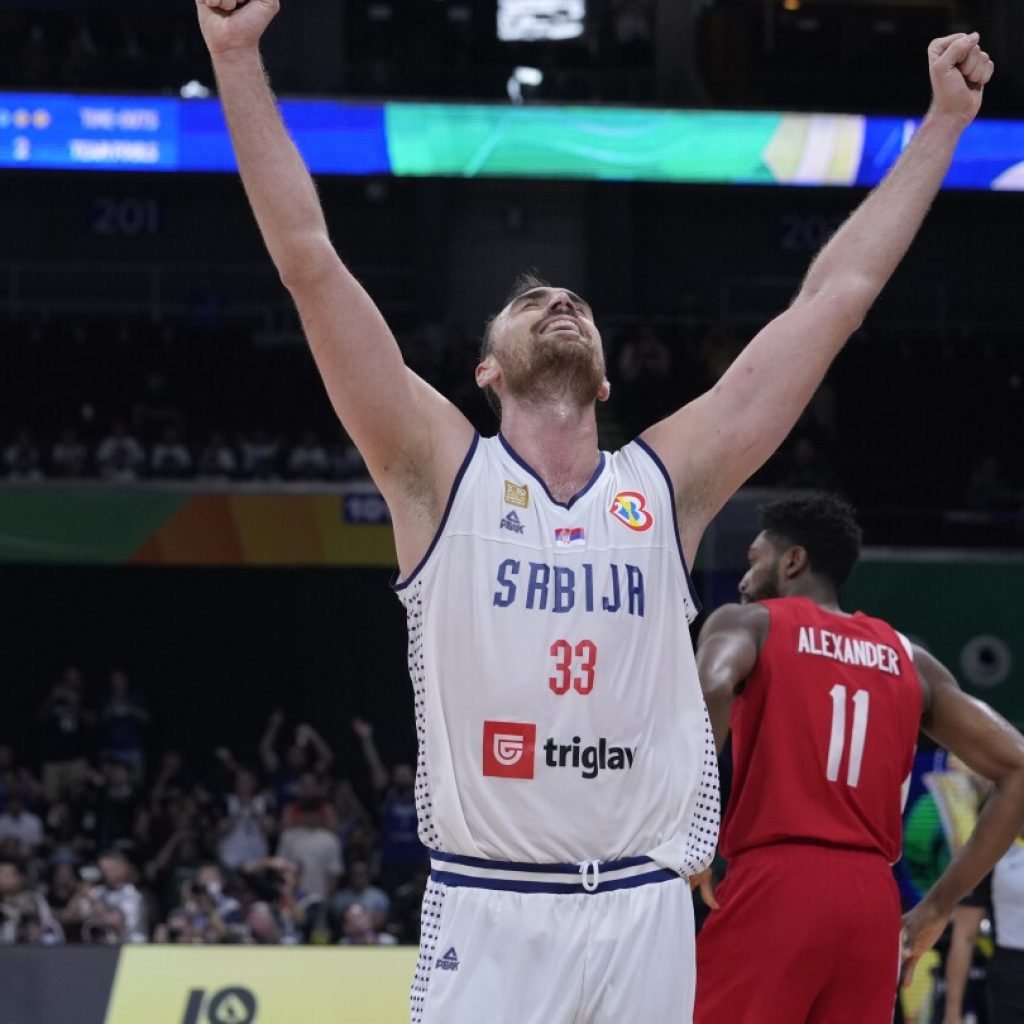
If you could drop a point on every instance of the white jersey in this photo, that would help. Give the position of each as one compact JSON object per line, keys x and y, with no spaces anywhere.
{"x":558,"y":710}
{"x":1008,"y":897}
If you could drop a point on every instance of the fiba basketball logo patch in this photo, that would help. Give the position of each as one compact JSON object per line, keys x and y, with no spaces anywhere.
{"x":509,"y":749}
{"x":630,"y":508}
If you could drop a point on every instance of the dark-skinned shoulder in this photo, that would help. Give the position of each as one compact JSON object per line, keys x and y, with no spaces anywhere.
{"x":752,"y":618}
{"x":931,"y":673}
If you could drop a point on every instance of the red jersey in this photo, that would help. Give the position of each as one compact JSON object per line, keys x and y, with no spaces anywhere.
{"x":823,"y":734}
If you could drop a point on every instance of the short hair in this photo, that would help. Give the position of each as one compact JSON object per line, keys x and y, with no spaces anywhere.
{"x":16,"y":862}
{"x":524,"y":282}
{"x":824,"y":525}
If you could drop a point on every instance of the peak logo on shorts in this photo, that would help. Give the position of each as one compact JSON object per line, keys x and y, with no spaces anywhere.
{"x":448,"y":962}
{"x":509,"y":749}
{"x":630,"y":508}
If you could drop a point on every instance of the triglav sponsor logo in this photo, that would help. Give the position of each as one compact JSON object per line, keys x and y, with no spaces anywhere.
{"x":508,"y":749}
{"x":509,"y":752}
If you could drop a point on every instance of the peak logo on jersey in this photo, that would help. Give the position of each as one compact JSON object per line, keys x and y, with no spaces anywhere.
{"x":591,"y":759}
{"x":509,"y":748}
{"x":630,"y":508}
{"x":511,"y":522}
{"x":517,"y":494}
{"x":568,"y":537}
{"x":450,"y":960}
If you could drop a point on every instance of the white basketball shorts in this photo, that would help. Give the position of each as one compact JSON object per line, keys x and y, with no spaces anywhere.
{"x":595,"y":943}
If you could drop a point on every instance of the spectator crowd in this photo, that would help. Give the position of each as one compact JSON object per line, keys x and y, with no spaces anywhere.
{"x":100,"y":846}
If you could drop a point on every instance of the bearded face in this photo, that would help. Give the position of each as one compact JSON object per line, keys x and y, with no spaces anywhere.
{"x":761,"y":580}
{"x":549,"y":349}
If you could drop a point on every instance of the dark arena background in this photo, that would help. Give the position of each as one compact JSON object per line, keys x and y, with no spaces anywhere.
{"x":197,"y":630}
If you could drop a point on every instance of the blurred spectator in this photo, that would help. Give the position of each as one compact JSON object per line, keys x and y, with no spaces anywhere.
{"x":259,"y":455}
{"x":115,"y":798}
{"x":357,"y":929}
{"x":19,"y":824}
{"x":21,"y":458}
{"x":309,"y":797}
{"x":113,"y":911}
{"x":312,"y":845}
{"x":217,"y":460}
{"x":803,"y":467}
{"x":152,"y":411}
{"x":307,"y":459}
{"x":206,"y":914}
{"x":345,"y":462}
{"x":989,"y":488}
{"x":69,"y":457}
{"x":172,"y":780}
{"x":354,"y":826}
{"x":308,"y":751}
{"x":401,"y":852}
{"x":16,"y":778}
{"x":123,"y":721}
{"x":120,"y":456}
{"x":82,"y":59}
{"x":62,"y":891}
{"x":359,"y":891}
{"x":67,"y":840}
{"x":36,"y":58}
{"x":64,"y":742}
{"x":633,"y":30}
{"x":643,"y":380}
{"x":25,"y":916}
{"x":243,"y":833}
{"x":273,"y":913}
{"x":407,"y":906}
{"x":170,"y":459}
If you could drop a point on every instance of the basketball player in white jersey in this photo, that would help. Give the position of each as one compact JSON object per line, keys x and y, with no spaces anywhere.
{"x":567,"y":785}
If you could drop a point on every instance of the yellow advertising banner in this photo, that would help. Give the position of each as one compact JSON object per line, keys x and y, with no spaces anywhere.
{"x":261,"y":985}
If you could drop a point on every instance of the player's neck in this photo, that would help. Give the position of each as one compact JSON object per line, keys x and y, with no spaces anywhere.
{"x":559,"y":442}
{"x":823,"y":596}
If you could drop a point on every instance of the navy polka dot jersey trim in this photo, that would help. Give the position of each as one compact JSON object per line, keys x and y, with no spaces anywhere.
{"x":430,"y":929}
{"x":703,"y":834}
{"x":412,"y":598}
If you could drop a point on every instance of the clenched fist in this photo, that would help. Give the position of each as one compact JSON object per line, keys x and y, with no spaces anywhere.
{"x":234,"y":24}
{"x":959,"y":70}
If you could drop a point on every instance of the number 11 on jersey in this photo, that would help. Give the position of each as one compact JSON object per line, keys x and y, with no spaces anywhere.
{"x":837,"y":740}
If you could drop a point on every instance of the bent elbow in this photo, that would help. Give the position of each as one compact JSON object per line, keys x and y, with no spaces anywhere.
{"x":304,"y":261}
{"x":845,"y":300}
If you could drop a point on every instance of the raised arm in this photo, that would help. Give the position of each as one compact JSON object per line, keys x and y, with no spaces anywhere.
{"x":268,"y":741}
{"x":993,"y":749}
{"x":412,"y":439}
{"x":378,"y":773}
{"x":712,"y":445}
{"x":727,"y":651}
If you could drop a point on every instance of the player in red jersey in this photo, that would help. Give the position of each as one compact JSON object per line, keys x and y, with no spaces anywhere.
{"x":825,"y":709}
